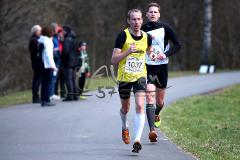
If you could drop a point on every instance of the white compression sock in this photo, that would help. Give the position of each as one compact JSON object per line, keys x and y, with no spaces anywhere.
{"x":139,"y":125}
{"x":124,"y":120}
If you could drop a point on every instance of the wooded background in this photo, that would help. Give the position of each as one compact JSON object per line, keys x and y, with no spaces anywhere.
{"x":99,"y":21}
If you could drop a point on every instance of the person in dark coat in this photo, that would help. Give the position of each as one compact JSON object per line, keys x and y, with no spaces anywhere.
{"x":36,"y":62}
{"x":69,"y":62}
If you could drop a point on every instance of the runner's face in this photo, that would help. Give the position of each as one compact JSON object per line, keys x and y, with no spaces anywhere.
{"x":135,"y":21}
{"x":153,"y":14}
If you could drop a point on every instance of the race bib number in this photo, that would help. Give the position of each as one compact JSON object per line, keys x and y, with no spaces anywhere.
{"x":134,"y":65}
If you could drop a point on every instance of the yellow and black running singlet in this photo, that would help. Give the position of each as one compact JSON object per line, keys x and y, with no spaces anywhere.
{"x":133,"y":67}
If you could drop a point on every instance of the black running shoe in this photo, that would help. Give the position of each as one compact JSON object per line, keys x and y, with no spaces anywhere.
{"x":137,"y":147}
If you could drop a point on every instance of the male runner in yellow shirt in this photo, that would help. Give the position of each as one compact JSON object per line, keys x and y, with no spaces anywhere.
{"x":130,"y":55}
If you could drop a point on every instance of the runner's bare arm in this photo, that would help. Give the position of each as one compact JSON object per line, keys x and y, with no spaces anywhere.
{"x":150,"y":53}
{"x":118,"y":55}
{"x":149,"y":50}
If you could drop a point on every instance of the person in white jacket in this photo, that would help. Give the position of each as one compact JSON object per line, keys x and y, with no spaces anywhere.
{"x":49,"y":67}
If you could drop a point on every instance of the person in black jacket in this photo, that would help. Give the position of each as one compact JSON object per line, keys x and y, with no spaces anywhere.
{"x":69,"y":62}
{"x":36,"y":62}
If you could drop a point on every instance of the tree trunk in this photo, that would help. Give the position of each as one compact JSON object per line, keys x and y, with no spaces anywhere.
{"x":207,"y":31}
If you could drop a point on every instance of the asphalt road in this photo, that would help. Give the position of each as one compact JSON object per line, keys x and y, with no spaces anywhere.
{"x":91,"y":129}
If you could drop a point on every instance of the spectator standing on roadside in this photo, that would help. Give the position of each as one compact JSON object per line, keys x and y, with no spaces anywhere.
{"x":83,"y":69}
{"x":69,"y":62}
{"x":46,"y":51}
{"x":57,"y":60}
{"x":36,"y":61}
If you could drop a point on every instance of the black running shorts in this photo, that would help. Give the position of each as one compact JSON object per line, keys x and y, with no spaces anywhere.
{"x":157,"y":75}
{"x":124,"y":88}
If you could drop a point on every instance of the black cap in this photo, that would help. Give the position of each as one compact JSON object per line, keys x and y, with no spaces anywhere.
{"x":81,"y":43}
{"x":66,"y":28}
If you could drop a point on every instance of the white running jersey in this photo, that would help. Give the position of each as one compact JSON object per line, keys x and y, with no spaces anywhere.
{"x":158,"y":46}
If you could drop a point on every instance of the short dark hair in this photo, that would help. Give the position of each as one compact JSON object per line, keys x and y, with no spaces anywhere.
{"x":67,"y":28}
{"x":131,"y":11}
{"x":47,"y":31}
{"x":81,"y":43}
{"x":152,"y":4}
{"x":54,"y":26}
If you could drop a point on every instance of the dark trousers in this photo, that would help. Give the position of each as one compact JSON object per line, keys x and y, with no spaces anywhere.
{"x":69,"y":76}
{"x":55,"y":78}
{"x":36,"y":82}
{"x":60,"y":80}
{"x":81,"y":83}
{"x":47,"y":75}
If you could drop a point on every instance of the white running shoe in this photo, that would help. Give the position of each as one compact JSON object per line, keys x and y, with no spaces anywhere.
{"x":55,"y":97}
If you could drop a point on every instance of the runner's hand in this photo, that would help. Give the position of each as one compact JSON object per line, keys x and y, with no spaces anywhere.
{"x":153,"y":56}
{"x":161,"y":56}
{"x":132,"y":48}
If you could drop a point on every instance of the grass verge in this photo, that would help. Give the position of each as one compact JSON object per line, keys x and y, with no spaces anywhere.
{"x":15,"y":98}
{"x":22,"y":97}
{"x":208,"y":126}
